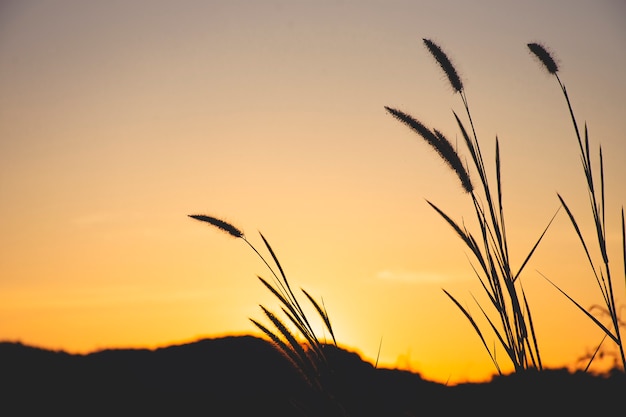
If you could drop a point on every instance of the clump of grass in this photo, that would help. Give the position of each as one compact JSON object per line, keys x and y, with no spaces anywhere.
{"x":509,"y":317}
{"x":302,"y":347}
{"x":602,"y":273}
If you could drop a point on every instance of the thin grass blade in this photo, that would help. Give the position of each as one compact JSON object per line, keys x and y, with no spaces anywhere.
{"x":535,"y":347}
{"x":602,"y":192}
{"x":595,"y":352}
{"x":470,"y":145}
{"x":499,"y":190}
{"x":600,"y":225}
{"x":380,"y":345}
{"x":624,"y":246}
{"x":571,"y":112}
{"x":323,"y":315}
{"x":588,"y":314}
{"x":491,"y":290}
{"x":532,"y":251}
{"x":580,"y":236}
{"x":476,"y":328}
{"x":275,"y":258}
{"x":508,"y":347}
{"x":588,"y":158}
{"x":462,"y":234}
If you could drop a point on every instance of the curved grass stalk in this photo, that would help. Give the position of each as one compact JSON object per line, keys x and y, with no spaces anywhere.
{"x":603,"y":273}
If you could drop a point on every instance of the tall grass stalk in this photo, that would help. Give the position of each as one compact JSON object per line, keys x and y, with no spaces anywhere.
{"x":508,"y":313}
{"x":302,"y":347}
{"x":602,"y":272}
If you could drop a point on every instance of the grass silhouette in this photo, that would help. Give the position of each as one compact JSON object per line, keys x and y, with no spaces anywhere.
{"x":602,"y":273}
{"x":508,"y":313}
{"x":304,"y":349}
{"x":510,"y":316}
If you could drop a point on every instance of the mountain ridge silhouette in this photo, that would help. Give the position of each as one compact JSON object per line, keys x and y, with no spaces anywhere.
{"x":247,"y":375}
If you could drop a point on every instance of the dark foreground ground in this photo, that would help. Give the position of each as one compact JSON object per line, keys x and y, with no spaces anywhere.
{"x":246,"y":376}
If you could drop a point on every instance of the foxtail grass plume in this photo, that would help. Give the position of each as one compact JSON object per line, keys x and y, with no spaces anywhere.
{"x":440,"y":143}
{"x":220,"y":224}
{"x":454,"y":161}
{"x":544,"y":57}
{"x":445,"y":64}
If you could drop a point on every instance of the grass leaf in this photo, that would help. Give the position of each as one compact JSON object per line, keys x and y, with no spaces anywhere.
{"x":323,"y":315}
{"x":476,"y":328}
{"x":535,"y":246}
{"x":588,"y":314}
{"x":580,"y":235}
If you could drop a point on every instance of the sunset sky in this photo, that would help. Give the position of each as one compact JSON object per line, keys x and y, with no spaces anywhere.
{"x":118,"y":119}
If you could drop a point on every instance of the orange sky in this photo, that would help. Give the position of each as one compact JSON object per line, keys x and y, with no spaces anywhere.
{"x":118,"y":119}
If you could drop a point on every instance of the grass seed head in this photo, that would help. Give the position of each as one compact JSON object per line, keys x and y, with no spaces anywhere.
{"x":413,"y":124}
{"x":439,"y":143}
{"x":452,"y":158}
{"x":446,"y":65}
{"x":544,"y":57}
{"x":220,"y":224}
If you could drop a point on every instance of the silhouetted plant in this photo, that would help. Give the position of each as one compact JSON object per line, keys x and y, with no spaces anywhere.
{"x":512,"y":323}
{"x":601,"y":273}
{"x":303,"y":348}
{"x":508,"y":313}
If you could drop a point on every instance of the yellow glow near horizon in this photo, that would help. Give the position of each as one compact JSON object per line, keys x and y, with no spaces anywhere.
{"x":118,"y":120}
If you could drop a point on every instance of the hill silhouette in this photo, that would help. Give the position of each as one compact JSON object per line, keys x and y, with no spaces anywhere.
{"x":246,"y":375}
